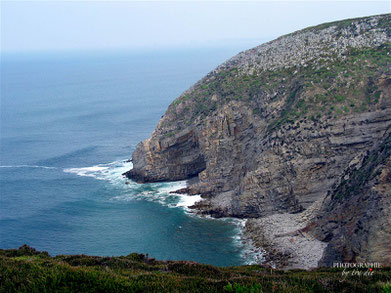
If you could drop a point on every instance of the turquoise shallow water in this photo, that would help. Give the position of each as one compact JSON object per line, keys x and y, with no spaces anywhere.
{"x":69,"y":122}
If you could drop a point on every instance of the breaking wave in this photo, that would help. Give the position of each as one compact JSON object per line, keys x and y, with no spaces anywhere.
{"x":156,"y":192}
{"x":28,"y":166}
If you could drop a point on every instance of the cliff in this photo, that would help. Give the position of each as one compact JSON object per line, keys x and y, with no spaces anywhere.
{"x":350,"y":223}
{"x":355,"y":219}
{"x":273,"y":129}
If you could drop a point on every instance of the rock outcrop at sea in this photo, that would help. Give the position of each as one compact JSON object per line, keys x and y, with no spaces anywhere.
{"x":276,"y":128}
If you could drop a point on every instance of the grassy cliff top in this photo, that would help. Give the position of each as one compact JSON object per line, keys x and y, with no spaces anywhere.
{"x":28,"y":270}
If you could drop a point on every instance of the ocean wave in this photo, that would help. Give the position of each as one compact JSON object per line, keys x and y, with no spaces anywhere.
{"x":111,"y":171}
{"x":155,"y":192}
{"x":248,"y":251}
{"x":28,"y":166}
{"x":93,"y":171}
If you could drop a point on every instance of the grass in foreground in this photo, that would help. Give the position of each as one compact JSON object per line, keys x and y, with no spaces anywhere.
{"x":28,"y":270}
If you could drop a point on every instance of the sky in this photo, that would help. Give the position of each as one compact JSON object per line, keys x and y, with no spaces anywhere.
{"x":95,"y":25}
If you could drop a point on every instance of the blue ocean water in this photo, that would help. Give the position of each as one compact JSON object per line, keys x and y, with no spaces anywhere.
{"x":69,"y":121}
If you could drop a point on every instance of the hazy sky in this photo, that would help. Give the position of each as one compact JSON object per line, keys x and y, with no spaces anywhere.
{"x":55,"y":25}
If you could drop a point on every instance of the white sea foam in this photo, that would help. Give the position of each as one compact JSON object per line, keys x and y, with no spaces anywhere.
{"x":111,"y":171}
{"x":28,"y":166}
{"x":156,"y":192}
{"x":94,"y":171}
{"x":188,"y":200}
{"x":160,"y":193}
{"x":249,"y":252}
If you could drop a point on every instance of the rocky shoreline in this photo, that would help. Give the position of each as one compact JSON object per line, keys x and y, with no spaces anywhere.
{"x":279,"y":241}
{"x":286,"y":240}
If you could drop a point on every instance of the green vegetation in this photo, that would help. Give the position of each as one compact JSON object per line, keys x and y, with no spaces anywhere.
{"x":27,"y":270}
{"x":330,"y":86}
{"x":337,"y":88}
{"x":169,"y":134}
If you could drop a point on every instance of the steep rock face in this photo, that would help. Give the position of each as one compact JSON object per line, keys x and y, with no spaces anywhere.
{"x":174,"y":158}
{"x":272,"y":129}
{"x":356,"y":216}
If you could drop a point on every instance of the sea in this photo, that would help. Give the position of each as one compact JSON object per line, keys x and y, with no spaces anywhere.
{"x":69,"y":124}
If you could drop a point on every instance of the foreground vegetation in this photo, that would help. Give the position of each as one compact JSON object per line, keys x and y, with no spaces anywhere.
{"x":28,"y":270}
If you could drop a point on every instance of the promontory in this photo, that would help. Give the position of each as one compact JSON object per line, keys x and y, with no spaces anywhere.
{"x":294,"y":135}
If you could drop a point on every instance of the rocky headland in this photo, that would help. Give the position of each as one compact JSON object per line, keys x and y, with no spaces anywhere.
{"x":293,"y":135}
